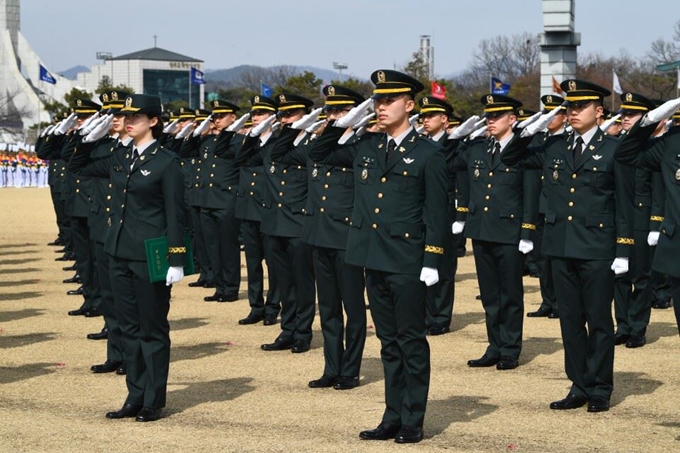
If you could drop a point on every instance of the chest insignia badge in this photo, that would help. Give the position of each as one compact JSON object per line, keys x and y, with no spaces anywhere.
{"x":597,"y":157}
{"x":408,"y":160}
{"x":145,"y":172}
{"x":364,"y":174}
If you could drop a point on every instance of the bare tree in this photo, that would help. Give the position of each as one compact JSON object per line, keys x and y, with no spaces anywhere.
{"x":665,"y":51}
{"x":10,"y":114}
{"x":507,"y":57}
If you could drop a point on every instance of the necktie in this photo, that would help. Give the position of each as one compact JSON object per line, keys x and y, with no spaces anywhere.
{"x":578,"y":149}
{"x":135,"y":156}
{"x":391,"y":148}
{"x":496,"y":153}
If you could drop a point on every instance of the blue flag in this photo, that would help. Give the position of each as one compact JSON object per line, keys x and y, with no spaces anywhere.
{"x":498,"y":87}
{"x":197,"y":77}
{"x":266,"y":90}
{"x":45,"y":76}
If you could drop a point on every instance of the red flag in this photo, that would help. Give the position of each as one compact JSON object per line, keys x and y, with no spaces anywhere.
{"x":556,"y":86}
{"x":438,"y":91}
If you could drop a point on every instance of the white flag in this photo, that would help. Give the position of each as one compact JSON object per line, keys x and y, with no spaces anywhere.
{"x":678,"y":78}
{"x":616,"y":85}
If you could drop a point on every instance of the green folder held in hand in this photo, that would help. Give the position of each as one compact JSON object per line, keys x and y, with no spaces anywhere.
{"x":157,"y":258}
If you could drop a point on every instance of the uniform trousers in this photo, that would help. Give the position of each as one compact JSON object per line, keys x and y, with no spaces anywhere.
{"x":114,"y":343}
{"x":548,"y":296}
{"x":200,"y":249}
{"x":220,"y":230}
{"x":255,"y":243}
{"x":85,"y":263}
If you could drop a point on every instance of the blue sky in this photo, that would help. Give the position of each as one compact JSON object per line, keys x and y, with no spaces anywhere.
{"x":364,"y":34}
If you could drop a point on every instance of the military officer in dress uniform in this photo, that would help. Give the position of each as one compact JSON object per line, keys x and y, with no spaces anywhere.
{"x":282,"y":221}
{"x":588,"y":236}
{"x":249,"y":206}
{"x":501,"y":219}
{"x":633,"y":290}
{"x":548,"y":306}
{"x":398,"y":233}
{"x":436,"y":115}
{"x":660,"y":155}
{"x":147,"y":203}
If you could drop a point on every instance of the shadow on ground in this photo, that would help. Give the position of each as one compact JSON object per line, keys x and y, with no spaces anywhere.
{"x":19,"y":261}
{"x":20,"y":296}
{"x":17,"y":341}
{"x":10,"y":284}
{"x":187,"y":323}
{"x":628,"y":383}
{"x":7,"y":316}
{"x":196,"y":393}
{"x":24,"y":270}
{"x":534,"y":346}
{"x":656,"y":330}
{"x":197,"y":351}
{"x":10,"y":374}
{"x":456,"y":409}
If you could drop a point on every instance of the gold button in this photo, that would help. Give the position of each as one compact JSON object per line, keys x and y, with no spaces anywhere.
{"x":254,"y":174}
{"x":572,"y":190}
{"x":252,"y":183}
{"x":124,"y":190}
{"x":487,"y":197}
{"x":77,"y":190}
{"x":280,"y":194}
{"x":377,"y":210}
{"x":594,"y":168}
{"x":278,"y":205}
{"x":375,"y":226}
{"x":405,"y":173}
{"x":486,"y":208}
{"x":213,"y":165}
{"x":77,"y":181}
{"x":488,"y":186}
{"x":108,"y":197}
{"x":122,"y":206}
{"x":198,"y":169}
{"x":663,"y":231}
{"x":344,"y":169}
{"x":251,"y":194}
{"x":380,"y":195}
{"x":383,"y":179}
{"x":322,"y":210}
{"x":299,"y":167}
{"x":602,"y":225}
{"x":285,"y":171}
{"x":283,"y":183}
{"x":328,"y":173}
{"x":108,"y":209}
{"x":323,"y":198}
{"x":407,"y":235}
{"x":325,"y":186}
{"x":570,"y":218}
{"x":542,"y":177}
{"x":212,"y":175}
{"x":490,"y":173}
{"x":210,"y":184}
{"x":512,"y":216}
{"x":573,"y":176}
{"x":571,"y":203}
{"x":640,"y":204}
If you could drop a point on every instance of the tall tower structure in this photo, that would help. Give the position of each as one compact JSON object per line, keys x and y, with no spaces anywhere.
{"x":427,"y":51}
{"x":558,"y":43}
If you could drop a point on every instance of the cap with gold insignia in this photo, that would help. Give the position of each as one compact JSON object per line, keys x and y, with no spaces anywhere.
{"x":431,"y":104}
{"x":173,"y":115}
{"x":455,"y":120}
{"x":288,"y":101}
{"x":339,"y":97}
{"x":580,"y":92}
{"x":497,"y":104}
{"x":248,"y":123}
{"x":607,"y":115}
{"x":222,"y":106}
{"x":262,"y":103}
{"x":85,"y":107}
{"x":142,"y":103}
{"x":389,"y":84}
{"x":113,"y":100}
{"x":676,"y":115}
{"x":200,"y":114}
{"x":551,"y":102}
{"x":185,"y":113}
{"x":632,"y":103}
{"x":523,"y":114}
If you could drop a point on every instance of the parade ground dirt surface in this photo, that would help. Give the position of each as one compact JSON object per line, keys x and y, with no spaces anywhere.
{"x":226,"y":394}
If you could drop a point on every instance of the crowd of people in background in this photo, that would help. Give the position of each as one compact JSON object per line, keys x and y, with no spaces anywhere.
{"x":20,"y":167}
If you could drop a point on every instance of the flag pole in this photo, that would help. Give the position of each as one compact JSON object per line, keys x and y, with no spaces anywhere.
{"x":613,"y":75}
{"x":190,"y":88}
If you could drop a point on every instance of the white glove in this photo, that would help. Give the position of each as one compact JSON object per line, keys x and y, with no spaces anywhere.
{"x":307,"y":120}
{"x":260,"y":128}
{"x":620,"y":266}
{"x":276,"y":126}
{"x":532,"y":119}
{"x":660,"y":113}
{"x":413,"y":119}
{"x":66,"y":124}
{"x":238,"y":124}
{"x":205,"y":124}
{"x":311,"y":129}
{"x":429,"y":275}
{"x":465,"y":128}
{"x":88,"y":122}
{"x":604,"y":126}
{"x":653,"y":238}
{"x":48,"y":130}
{"x":186,"y":130}
{"x":525,"y":246}
{"x":355,"y":115}
{"x":364,"y":121}
{"x":420,"y":129}
{"x":457,"y":227}
{"x":100,"y":130}
{"x":175,"y":275}
{"x":478,"y":133}
{"x":541,"y":123}
{"x":91,"y":125}
{"x":170,"y":128}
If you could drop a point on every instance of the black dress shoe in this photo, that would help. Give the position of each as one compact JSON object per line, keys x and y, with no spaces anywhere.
{"x":106,"y":367}
{"x":103,"y":335}
{"x":70,"y":268}
{"x":269,"y":320}
{"x":61,"y":251}
{"x":323,"y":382}
{"x":208,"y":284}
{"x":299,"y":347}
{"x":437,"y":330}
{"x":57,"y":242}
{"x":636,"y":341}
{"x":409,"y":435}
{"x":214,"y":298}
{"x":75,"y":292}
{"x":621,"y":338}
{"x":122,"y":369}
{"x":75,"y":279}
{"x":507,"y":363}
{"x":94,"y":312}
{"x":128,"y":410}
{"x":228,"y":298}
{"x":346,"y":383}
{"x":278,"y":345}
{"x":250,"y":319}
{"x":662,"y":304}
{"x":478,"y":297}
{"x":382,"y":432}
{"x":79,"y":312}
{"x":483,"y":361}
{"x":70,"y":256}
{"x":540,"y":313}
{"x":570,"y":402}
{"x":63,"y":258}
{"x":554,"y":314}
{"x":148,"y":415}
{"x":598,"y":404}
{"x":197,"y":284}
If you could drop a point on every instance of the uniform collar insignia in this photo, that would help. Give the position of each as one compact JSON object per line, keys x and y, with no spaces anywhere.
{"x":145,"y":172}
{"x":597,"y":157}
{"x":408,"y":160}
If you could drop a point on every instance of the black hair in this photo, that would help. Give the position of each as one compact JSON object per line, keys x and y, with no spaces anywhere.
{"x":156,"y":130}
